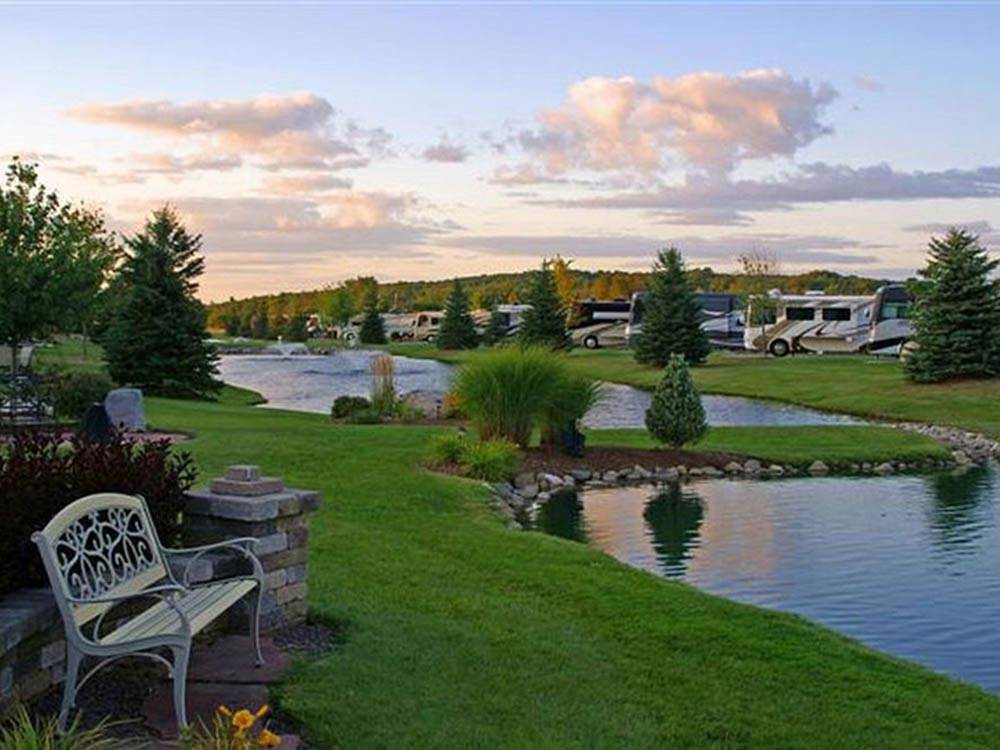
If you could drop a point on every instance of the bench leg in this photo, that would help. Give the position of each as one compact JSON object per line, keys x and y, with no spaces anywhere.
{"x":181,"y":655}
{"x":258,"y":595}
{"x":73,"y":659}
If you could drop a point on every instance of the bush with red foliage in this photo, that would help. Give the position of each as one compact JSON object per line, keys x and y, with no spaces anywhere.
{"x":40,"y":474}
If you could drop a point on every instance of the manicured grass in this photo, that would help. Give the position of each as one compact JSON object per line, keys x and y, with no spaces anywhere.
{"x":848,"y":384}
{"x":69,"y":353}
{"x":796,"y":445}
{"x":462,"y":633}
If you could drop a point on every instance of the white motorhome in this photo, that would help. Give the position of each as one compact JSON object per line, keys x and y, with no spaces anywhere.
{"x":891,"y":325}
{"x":811,"y":322}
{"x":425,"y":326}
{"x":721,"y":318}
{"x":595,"y":323}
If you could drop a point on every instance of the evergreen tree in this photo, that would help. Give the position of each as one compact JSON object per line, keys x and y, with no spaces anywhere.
{"x":458,"y":331}
{"x":372,"y":327}
{"x":544,"y":323}
{"x":295,"y":328}
{"x":956,"y":315}
{"x":670,"y":315}
{"x":496,"y":329}
{"x":156,"y":340}
{"x":676,"y":415}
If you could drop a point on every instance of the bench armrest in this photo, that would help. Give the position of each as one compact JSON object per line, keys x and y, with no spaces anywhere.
{"x":240,"y":545}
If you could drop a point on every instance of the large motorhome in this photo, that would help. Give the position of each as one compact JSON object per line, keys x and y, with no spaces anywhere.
{"x":721,"y":318}
{"x":596,"y":323}
{"x":512,"y":316}
{"x":425,"y":326}
{"x":891,"y":327}
{"x":811,"y":322}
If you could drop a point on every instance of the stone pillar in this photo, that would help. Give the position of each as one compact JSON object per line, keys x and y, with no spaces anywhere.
{"x":241,"y":504}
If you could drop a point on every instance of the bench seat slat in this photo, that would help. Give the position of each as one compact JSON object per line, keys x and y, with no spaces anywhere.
{"x":200,"y":606}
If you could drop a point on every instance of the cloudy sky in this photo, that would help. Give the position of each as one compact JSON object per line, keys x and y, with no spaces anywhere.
{"x":312,"y":143}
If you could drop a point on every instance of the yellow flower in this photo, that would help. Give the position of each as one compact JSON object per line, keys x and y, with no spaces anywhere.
{"x":262,"y":711}
{"x":225,"y":711}
{"x":268,"y":738}
{"x":243,"y":720}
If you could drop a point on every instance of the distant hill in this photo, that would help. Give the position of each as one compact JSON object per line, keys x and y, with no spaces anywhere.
{"x":269,"y":315}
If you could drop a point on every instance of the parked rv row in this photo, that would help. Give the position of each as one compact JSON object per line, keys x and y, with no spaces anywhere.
{"x":783,"y":324}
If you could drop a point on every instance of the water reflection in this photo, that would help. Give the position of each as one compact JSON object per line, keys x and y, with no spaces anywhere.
{"x":960,"y":514}
{"x":908,"y":564}
{"x":674,"y":519}
{"x":562,"y":516}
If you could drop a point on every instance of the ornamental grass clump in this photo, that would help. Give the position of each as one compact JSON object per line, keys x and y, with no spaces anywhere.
{"x":232,"y":730}
{"x":490,"y":460}
{"x":676,"y":415}
{"x":383,"y":369}
{"x":510,"y":392}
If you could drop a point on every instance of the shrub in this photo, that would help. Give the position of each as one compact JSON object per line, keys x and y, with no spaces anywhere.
{"x":676,"y":415}
{"x":365,"y":416}
{"x":40,"y":474}
{"x":232,"y":730}
{"x":407,"y":412}
{"x":490,"y":460}
{"x":71,"y":393}
{"x":511,"y":391}
{"x":24,"y":733}
{"x":345,"y":406}
{"x":449,"y":448}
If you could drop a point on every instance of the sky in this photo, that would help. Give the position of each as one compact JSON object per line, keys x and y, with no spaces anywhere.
{"x":311,"y":143}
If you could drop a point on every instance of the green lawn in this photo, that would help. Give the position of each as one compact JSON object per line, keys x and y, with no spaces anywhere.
{"x":851,"y":385}
{"x":462,"y":633}
{"x":796,"y":445}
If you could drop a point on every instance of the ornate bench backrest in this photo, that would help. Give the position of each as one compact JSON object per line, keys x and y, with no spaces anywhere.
{"x":101,"y":545}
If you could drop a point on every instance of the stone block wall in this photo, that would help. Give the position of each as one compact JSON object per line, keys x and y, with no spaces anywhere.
{"x":245,"y":504}
{"x":32,"y":646}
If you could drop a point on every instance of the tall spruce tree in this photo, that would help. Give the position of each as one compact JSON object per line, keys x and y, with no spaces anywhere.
{"x":372,"y":326}
{"x":458,"y":330}
{"x":496,"y":329}
{"x":956,"y":314}
{"x":670,"y":315}
{"x":156,"y":339}
{"x":544,"y":324}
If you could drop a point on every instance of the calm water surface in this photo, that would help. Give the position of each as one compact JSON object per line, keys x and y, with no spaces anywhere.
{"x":311,"y":383}
{"x":908,"y":565}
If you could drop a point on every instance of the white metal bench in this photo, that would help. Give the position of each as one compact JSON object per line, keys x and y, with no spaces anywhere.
{"x":103,"y":551}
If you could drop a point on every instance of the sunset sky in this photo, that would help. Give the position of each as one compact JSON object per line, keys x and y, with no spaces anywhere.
{"x":313,"y":143}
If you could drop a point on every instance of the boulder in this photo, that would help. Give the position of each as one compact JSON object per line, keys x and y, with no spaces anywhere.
{"x":610,"y":476}
{"x":550,"y":480}
{"x":885,"y":468}
{"x":733,"y":468}
{"x":818,"y":468}
{"x":667,"y":475}
{"x":528,"y":493}
{"x":524,"y":479}
{"x":961,"y":458}
{"x":753,"y":466}
{"x":642,"y":472}
{"x":775,"y":470}
{"x":711,"y":471}
{"x":124,"y":408}
{"x":581,"y":475}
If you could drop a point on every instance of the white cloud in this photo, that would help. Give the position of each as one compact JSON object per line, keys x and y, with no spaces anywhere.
{"x":304,"y":184}
{"x":703,"y":121}
{"x":725,"y":201}
{"x":869,"y":84}
{"x":281,"y":130}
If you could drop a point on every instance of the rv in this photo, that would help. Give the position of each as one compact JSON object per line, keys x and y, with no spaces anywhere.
{"x":811,"y":322}
{"x":721,"y":318}
{"x":425,"y":326}
{"x":891,"y":327}
{"x":512,"y":316}
{"x":596,"y":323}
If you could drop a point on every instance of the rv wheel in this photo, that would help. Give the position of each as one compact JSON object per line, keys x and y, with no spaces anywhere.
{"x":591,"y":342}
{"x":430,"y":338}
{"x":779,"y":348}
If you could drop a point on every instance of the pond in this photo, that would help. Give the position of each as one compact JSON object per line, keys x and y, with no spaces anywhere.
{"x":908,"y":565}
{"x":311,"y":383}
